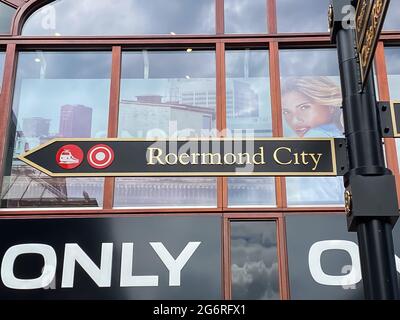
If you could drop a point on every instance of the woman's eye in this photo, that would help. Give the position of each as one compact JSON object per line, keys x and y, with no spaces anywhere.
{"x":285,"y":112}
{"x":304,"y":107}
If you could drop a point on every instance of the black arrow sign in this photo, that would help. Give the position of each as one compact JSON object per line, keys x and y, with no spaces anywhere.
{"x":198,"y":157}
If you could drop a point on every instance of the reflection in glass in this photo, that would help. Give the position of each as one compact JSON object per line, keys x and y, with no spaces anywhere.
{"x":122,"y":17}
{"x":167,"y":94}
{"x":392,"y":21}
{"x":57,"y":94}
{"x":251,"y":192}
{"x":248,"y":101}
{"x":254,"y":260}
{"x":304,"y":232}
{"x":393,"y":70}
{"x":6,"y":16}
{"x":245,"y":16}
{"x":311,"y":107}
{"x":2,"y":58}
{"x":302,"y":16}
{"x":248,"y":112}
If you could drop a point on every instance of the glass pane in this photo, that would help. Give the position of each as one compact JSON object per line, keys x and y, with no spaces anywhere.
{"x":2,"y":58}
{"x":393,"y":70}
{"x":311,"y":101}
{"x":319,"y":247}
{"x":248,"y":112}
{"x":248,"y":100}
{"x":57,"y":94}
{"x":251,"y":192}
{"x":302,"y":16}
{"x":122,"y":17}
{"x":392,"y":19}
{"x":168,"y":94}
{"x":245,"y":16}
{"x":254,"y":265}
{"x":6,"y":16}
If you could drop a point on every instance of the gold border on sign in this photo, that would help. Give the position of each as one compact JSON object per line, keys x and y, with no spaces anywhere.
{"x":23,"y":158}
{"x":370,"y":58}
{"x":363,"y":30}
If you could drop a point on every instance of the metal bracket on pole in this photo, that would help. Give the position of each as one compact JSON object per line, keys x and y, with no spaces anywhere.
{"x":386,"y":120}
{"x":371,"y":197}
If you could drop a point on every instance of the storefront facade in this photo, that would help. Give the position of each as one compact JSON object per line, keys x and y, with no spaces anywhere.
{"x":209,"y":68}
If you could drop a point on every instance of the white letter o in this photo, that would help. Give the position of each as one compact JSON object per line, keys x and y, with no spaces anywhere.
{"x":48,"y":272}
{"x":314,"y":262}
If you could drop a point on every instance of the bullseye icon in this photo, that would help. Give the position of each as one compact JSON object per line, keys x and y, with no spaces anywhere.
{"x":100,"y":156}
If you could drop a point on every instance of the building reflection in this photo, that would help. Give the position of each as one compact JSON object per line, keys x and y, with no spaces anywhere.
{"x":27,"y":187}
{"x":190,"y":103}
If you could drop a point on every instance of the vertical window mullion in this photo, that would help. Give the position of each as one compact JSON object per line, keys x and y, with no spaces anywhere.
{"x":277,"y":124}
{"x":283,"y":260}
{"x":222,"y":185}
{"x":226,"y":262}
{"x":109,"y":183}
{"x":220,"y":17}
{"x":6,"y":100}
{"x":271,"y":14}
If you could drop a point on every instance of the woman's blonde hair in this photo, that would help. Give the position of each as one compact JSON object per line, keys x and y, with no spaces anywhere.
{"x":321,"y":90}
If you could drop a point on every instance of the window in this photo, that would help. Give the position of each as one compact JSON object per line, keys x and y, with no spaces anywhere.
{"x":254,"y":265}
{"x":248,"y":112}
{"x":311,"y":101}
{"x":2,"y":58}
{"x":393,"y":70}
{"x":392,"y":19}
{"x":57,"y":94}
{"x":321,"y":252}
{"x":245,"y":16}
{"x":6,"y":16}
{"x":167,"y":94}
{"x":248,"y":100}
{"x":122,"y":17}
{"x":302,"y":16}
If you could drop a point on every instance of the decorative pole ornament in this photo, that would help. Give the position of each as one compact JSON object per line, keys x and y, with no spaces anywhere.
{"x":347,"y":201}
{"x":330,"y":18}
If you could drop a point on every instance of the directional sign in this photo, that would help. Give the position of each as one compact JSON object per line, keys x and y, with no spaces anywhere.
{"x":195,"y":157}
{"x":370,"y":16}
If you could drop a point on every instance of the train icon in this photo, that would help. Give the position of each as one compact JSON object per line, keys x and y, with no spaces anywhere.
{"x":66,"y":157}
{"x":69,"y":157}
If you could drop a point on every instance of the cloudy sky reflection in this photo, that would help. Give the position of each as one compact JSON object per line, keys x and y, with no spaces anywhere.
{"x":124,"y":17}
{"x":245,"y":16}
{"x":6,"y":15}
{"x":254,"y":260}
{"x":302,"y":16}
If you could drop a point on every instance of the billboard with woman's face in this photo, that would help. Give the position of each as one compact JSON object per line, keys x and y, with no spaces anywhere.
{"x":311,"y":108}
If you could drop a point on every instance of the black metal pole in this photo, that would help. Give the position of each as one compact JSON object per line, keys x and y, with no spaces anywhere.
{"x":377,"y":257}
{"x":367,"y":175}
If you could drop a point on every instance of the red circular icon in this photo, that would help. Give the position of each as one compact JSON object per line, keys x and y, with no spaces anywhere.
{"x":69,"y":156}
{"x":100,"y":156}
